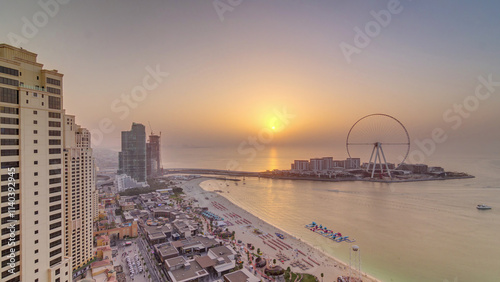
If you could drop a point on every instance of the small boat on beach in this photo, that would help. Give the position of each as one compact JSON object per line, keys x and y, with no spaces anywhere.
{"x":483,"y":207}
{"x":280,"y":235}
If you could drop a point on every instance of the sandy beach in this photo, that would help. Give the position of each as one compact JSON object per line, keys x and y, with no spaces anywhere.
{"x":289,"y":252}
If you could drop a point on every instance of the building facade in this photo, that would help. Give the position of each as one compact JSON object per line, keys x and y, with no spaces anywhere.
{"x":132,"y":158}
{"x":153,"y":155}
{"x":32,"y":194}
{"x":79,"y":192}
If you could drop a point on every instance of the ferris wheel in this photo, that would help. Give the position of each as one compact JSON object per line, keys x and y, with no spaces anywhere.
{"x":381,"y":136}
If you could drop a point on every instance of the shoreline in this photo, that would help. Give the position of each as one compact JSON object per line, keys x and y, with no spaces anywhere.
{"x":329,"y":265}
{"x":221,"y":173}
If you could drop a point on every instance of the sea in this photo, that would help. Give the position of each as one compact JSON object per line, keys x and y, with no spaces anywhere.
{"x":415,"y":231}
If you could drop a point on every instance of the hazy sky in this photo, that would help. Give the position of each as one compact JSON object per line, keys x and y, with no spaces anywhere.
{"x":233,"y":64}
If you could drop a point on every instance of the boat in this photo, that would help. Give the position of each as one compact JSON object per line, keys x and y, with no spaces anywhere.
{"x":483,"y":207}
{"x":280,"y":235}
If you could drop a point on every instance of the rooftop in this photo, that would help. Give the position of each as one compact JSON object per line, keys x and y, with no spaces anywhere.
{"x":190,"y":271}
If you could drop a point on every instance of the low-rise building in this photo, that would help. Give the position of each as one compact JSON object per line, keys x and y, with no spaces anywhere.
{"x":225,"y":258}
{"x":242,"y":275}
{"x":158,"y":234}
{"x":181,"y":270}
{"x":165,"y":251}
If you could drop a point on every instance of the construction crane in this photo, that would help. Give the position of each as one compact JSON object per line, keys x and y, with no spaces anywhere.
{"x":150,"y":128}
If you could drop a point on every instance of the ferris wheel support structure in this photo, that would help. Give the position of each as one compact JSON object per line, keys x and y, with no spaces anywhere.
{"x":379,"y":154}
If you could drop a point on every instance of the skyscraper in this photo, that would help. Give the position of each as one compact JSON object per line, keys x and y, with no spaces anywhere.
{"x":32,"y":199}
{"x":153,"y":155}
{"x":132,"y":158}
{"x":79,"y":192}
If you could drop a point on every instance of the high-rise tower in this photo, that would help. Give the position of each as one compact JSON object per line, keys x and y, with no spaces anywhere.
{"x":153,"y":155}
{"x":132,"y":158}
{"x":32,"y":199}
{"x":79,"y":192}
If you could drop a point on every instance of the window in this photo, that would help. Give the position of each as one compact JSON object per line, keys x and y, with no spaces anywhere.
{"x":36,"y":261}
{"x":53,"y":91}
{"x":35,"y":131}
{"x":35,"y":173}
{"x":54,"y":199}
{"x":35,"y":122}
{"x":54,"y":124}
{"x":36,"y":212}
{"x":54,"y":207}
{"x":9,"y":71}
{"x":8,"y":81}
{"x":35,"y":141}
{"x":8,"y":142}
{"x":55,"y":216}
{"x":9,"y":110}
{"x":9,"y":164}
{"x":55,"y":234}
{"x":9,"y":153}
{"x":35,"y":193}
{"x":36,"y":251}
{"x":55,"y":252}
{"x":9,"y":131}
{"x":36,"y":203}
{"x":36,"y":112}
{"x":35,"y":162}
{"x":54,"y":161}
{"x":54,"y":190}
{"x":9,"y":95}
{"x":6,"y":120}
{"x":54,"y":180}
{"x":55,"y":261}
{"x":35,"y":151}
{"x":36,"y":241}
{"x":55,"y":151}
{"x":55,"y":225}
{"x":53,"y":81}
{"x":54,"y":115}
{"x":54,"y":141}
{"x":54,"y":133}
{"x":55,"y":171}
{"x":36,"y":221}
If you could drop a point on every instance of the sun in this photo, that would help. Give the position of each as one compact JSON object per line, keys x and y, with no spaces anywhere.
{"x":273,"y":127}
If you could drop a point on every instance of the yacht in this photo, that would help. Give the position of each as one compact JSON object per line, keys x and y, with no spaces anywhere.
{"x":483,"y":207}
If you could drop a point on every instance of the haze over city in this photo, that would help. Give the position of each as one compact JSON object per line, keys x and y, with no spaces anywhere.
{"x":216,"y":140}
{"x":230,"y":68}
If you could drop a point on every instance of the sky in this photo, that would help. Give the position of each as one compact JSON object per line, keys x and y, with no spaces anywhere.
{"x":294,"y":73}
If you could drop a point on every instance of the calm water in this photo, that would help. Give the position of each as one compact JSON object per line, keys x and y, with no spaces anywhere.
{"x":421,"y":231}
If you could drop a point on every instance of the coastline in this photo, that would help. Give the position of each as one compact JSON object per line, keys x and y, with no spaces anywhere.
{"x":330,"y":266}
{"x":220,"y":173}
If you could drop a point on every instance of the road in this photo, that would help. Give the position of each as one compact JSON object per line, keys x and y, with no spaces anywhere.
{"x":151,"y":264}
